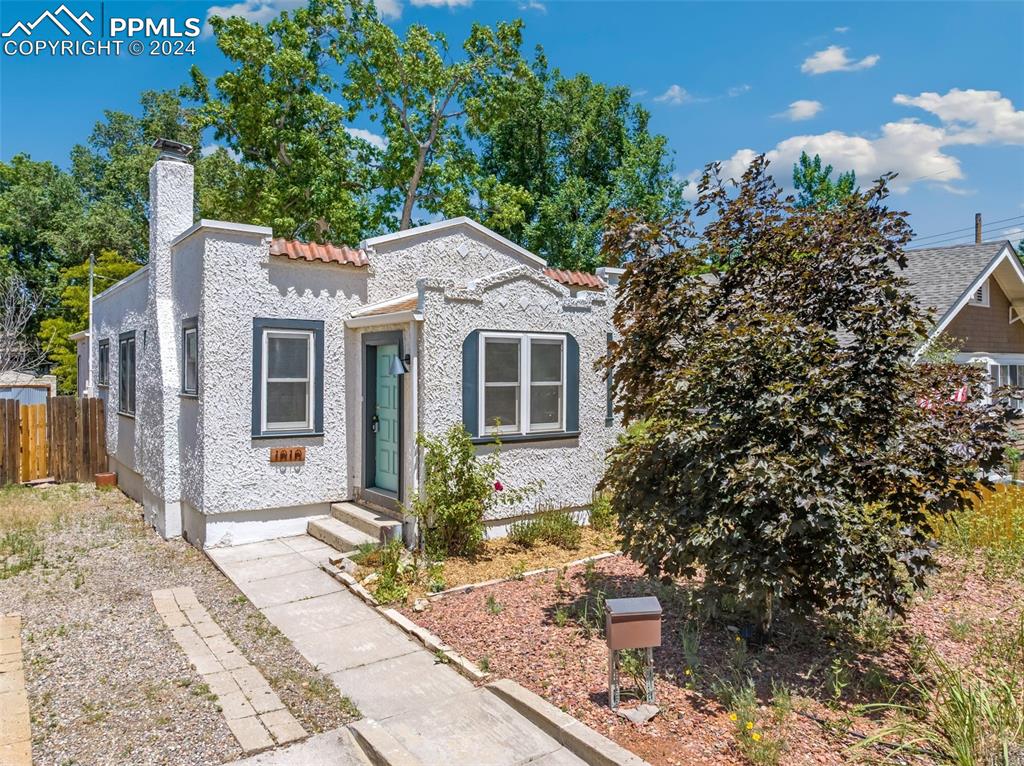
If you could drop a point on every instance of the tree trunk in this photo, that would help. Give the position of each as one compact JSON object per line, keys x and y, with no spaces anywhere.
{"x":414,"y":182}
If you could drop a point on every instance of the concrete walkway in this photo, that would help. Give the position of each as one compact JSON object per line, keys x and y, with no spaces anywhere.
{"x":427,"y":711}
{"x":15,"y":733}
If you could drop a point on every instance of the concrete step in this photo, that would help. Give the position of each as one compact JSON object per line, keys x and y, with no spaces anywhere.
{"x":369,"y":520}
{"x":338,"y":534}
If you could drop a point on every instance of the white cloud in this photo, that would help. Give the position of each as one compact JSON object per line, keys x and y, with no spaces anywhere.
{"x":737,"y":90}
{"x":675,"y":95}
{"x":441,"y":3}
{"x":802,"y":109}
{"x":262,"y":11}
{"x":369,"y":137}
{"x":834,"y":59}
{"x":915,"y":150}
{"x":972,"y":116}
{"x":842,"y":30}
{"x":533,"y":5}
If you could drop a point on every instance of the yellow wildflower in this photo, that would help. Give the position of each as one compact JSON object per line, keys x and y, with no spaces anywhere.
{"x":749,"y":725}
{"x":689,"y":672}
{"x":756,"y":737}
{"x":732,"y":716}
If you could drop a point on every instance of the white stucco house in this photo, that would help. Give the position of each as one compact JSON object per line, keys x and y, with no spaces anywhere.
{"x":252,"y":384}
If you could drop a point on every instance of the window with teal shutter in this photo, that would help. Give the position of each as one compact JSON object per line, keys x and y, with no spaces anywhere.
{"x":520,"y":386}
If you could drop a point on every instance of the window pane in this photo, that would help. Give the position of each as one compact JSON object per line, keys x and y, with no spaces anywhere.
{"x":286,"y":403}
{"x":191,"y":359}
{"x":131,"y":376}
{"x":501,"y":402}
{"x":287,"y":356}
{"x":545,"y":361}
{"x":501,"y":361}
{"x":545,"y":405}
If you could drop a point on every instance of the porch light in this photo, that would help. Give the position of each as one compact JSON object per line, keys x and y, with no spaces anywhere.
{"x":400,"y":365}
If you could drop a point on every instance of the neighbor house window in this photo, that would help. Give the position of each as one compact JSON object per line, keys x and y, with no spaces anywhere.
{"x":288,"y":377}
{"x":190,"y":357}
{"x":980,"y":296}
{"x":1011,"y":375}
{"x":522,"y":383}
{"x":103,"y":363}
{"x":126,"y":374}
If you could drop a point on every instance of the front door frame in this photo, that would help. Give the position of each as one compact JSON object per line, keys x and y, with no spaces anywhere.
{"x":370,"y":342}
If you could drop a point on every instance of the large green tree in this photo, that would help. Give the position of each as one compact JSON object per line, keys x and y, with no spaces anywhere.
{"x":780,"y":436}
{"x":815,"y":186}
{"x":579,"y":148}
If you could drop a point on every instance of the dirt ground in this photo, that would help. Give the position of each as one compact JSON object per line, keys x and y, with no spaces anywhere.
{"x":543,"y":632}
{"x":107,"y":683}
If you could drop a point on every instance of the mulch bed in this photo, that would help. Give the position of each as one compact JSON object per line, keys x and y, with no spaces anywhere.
{"x":107,"y":683}
{"x":568,"y":665}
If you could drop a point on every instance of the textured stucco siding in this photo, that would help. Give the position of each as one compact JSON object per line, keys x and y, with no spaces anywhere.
{"x":460,"y":255}
{"x":122,"y":309}
{"x":187,"y":278}
{"x":241,"y":281}
{"x":569,"y":468}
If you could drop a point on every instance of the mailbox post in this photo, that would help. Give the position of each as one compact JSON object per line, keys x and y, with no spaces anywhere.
{"x":631,"y":623}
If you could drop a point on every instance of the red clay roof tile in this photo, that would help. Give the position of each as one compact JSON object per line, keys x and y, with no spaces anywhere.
{"x":311,"y":251}
{"x":576,"y":279}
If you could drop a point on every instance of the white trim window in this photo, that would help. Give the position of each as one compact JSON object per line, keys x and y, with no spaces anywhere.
{"x":190,"y":360}
{"x":522,"y":383}
{"x":980,"y":297}
{"x":287,"y":380}
{"x":1011,"y":375}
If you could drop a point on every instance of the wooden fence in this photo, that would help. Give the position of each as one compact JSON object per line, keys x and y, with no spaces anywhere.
{"x":63,"y":440}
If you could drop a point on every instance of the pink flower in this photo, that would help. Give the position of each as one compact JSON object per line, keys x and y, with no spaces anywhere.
{"x":498,"y":486}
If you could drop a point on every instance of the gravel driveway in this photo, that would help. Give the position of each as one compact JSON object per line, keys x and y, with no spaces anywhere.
{"x":107,"y":684}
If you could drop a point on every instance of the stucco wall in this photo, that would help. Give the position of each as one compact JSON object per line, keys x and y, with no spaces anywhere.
{"x":570,"y":468}
{"x":186,"y":291}
{"x":121,"y":309}
{"x":460,"y":255}
{"x":241,"y":281}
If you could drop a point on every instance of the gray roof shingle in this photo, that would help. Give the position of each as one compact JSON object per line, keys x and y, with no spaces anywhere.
{"x":939,"y":276}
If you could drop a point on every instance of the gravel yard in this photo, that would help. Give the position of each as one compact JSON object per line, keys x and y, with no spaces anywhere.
{"x":544,"y":632}
{"x":107,"y":683}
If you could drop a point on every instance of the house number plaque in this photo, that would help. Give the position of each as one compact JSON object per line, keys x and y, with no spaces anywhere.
{"x":287,"y":454}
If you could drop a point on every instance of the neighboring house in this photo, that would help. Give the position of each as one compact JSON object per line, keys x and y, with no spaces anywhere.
{"x":27,"y":388}
{"x":977,"y":293}
{"x":251,"y":382}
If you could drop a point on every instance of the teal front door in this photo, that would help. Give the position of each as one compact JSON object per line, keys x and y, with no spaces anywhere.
{"x":387,"y":424}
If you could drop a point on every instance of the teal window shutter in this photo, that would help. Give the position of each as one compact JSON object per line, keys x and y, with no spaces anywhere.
{"x":471,"y":383}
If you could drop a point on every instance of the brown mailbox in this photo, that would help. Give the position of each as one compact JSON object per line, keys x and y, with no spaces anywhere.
{"x":633,"y":623}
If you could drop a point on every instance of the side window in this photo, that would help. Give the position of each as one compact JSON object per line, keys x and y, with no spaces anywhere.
{"x":287,"y":377}
{"x":190,"y":357}
{"x":103,"y":363}
{"x":126,"y":374}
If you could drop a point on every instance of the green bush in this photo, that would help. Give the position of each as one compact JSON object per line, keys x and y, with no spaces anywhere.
{"x":554,"y":527}
{"x":602,"y":517}
{"x":459,"y":490}
{"x":390,"y":585}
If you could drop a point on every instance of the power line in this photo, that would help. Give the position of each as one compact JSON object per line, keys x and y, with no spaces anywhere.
{"x":965,"y":228}
{"x":965,"y":239}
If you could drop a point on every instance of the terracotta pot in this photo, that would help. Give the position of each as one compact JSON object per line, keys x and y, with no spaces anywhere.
{"x":106,"y":480}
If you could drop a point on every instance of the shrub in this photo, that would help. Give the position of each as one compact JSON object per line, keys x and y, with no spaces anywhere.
{"x":602,"y":517}
{"x":390,"y":586}
{"x":459,"y":490}
{"x":780,"y":436}
{"x":959,"y":718}
{"x":555,"y":527}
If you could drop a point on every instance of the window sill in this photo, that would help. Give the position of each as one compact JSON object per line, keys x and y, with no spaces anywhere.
{"x":525,"y":438}
{"x":103,"y":385}
{"x":186,"y":395}
{"x":289,"y":435}
{"x":126,"y":414}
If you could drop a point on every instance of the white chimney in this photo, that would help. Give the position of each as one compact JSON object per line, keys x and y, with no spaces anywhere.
{"x":171,"y":190}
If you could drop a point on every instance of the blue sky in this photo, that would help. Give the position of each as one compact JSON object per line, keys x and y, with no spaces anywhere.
{"x":933,"y":91}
